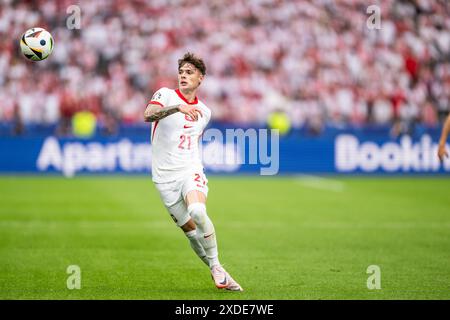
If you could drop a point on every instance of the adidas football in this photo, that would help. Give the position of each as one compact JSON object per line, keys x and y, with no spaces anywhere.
{"x":36,"y":44}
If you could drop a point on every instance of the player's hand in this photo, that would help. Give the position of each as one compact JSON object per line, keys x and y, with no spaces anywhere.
{"x":442,"y":153}
{"x":191,"y":111}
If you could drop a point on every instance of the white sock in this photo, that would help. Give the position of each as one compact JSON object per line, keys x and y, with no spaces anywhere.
{"x":206,"y":234}
{"x":210,"y":246}
{"x":197,"y":246}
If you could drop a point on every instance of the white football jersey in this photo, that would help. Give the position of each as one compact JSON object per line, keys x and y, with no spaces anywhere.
{"x":175,"y":138}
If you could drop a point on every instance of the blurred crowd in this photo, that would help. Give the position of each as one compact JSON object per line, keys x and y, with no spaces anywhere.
{"x":318,"y":61}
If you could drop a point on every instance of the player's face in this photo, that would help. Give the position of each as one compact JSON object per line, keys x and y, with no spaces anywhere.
{"x":189,"y":77}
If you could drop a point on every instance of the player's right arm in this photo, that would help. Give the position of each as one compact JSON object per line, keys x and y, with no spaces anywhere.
{"x":155,"y":112}
{"x":158,"y":108}
{"x":442,"y":153}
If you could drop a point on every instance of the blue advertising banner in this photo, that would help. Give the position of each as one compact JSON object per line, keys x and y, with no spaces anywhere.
{"x":341,"y":153}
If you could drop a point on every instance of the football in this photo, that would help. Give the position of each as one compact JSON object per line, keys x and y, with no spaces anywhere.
{"x":36,"y":44}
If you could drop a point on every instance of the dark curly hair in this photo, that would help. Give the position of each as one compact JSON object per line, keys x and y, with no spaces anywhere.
{"x":194,"y":60}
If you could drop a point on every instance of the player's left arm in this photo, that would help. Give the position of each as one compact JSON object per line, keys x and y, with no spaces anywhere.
{"x":442,"y":153}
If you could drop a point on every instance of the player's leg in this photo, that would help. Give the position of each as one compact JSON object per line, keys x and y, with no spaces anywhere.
{"x":196,"y":207}
{"x":195,"y":192}
{"x":172,"y":198}
{"x":180,"y":215}
{"x":190,"y":231}
{"x":196,"y":203}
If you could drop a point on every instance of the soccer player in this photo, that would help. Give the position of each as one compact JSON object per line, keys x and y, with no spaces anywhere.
{"x":442,"y":153}
{"x":178,"y":119}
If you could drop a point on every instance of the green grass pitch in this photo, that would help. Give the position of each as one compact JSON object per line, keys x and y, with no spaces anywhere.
{"x":281,"y":238}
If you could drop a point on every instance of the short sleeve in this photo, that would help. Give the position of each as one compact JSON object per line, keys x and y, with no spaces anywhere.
{"x":207,"y":118}
{"x":160,"y":97}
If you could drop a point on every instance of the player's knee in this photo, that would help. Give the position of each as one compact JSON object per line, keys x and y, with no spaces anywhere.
{"x":197,"y":211}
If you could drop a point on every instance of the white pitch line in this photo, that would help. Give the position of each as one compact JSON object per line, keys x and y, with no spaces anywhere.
{"x":321,"y":183}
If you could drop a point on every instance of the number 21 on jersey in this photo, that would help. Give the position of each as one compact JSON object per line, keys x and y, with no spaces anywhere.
{"x":185,"y":142}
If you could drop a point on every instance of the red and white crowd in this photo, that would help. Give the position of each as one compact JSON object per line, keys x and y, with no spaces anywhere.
{"x":316,"y":60}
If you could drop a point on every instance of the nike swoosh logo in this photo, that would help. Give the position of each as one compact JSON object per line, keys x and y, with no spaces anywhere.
{"x":224,"y":282}
{"x":187,"y":127}
{"x":207,"y":236}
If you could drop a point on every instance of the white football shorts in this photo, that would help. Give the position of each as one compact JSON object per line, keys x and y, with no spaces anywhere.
{"x":173,"y":194}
